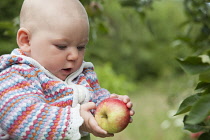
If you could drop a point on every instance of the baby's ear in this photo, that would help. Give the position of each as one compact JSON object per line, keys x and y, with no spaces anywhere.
{"x":23,"y":39}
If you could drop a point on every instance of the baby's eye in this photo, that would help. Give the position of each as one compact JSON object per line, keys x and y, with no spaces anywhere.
{"x":61,"y":47}
{"x":80,"y":48}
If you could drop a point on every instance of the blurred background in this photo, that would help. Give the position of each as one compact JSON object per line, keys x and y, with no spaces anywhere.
{"x":134,"y":45}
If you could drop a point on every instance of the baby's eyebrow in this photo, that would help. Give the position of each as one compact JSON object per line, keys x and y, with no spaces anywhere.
{"x":86,"y":40}
{"x":61,"y":39}
{"x":68,"y":41}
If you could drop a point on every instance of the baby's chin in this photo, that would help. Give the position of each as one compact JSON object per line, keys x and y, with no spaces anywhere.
{"x":61,"y":77}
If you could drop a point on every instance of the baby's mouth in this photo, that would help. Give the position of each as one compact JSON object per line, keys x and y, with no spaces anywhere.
{"x":67,"y":70}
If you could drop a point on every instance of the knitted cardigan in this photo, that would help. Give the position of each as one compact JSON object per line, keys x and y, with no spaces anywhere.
{"x":34,"y":104}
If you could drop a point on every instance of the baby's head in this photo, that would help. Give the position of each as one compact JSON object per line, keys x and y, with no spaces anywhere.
{"x":54,"y":33}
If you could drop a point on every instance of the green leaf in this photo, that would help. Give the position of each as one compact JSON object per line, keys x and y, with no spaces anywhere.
{"x":187,"y":104}
{"x":205,"y":77}
{"x":204,"y":136}
{"x":194,"y":65}
{"x":200,"y":110}
{"x":194,"y":128}
{"x":201,"y":86}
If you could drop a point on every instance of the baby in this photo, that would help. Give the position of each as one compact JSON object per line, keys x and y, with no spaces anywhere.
{"x":47,"y":90}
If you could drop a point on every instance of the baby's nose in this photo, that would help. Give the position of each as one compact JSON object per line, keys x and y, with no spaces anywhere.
{"x":73,"y":54}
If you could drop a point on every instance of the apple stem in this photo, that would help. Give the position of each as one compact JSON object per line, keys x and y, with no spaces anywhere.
{"x":104,"y":116}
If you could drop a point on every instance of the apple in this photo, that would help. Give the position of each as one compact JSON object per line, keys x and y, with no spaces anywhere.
{"x":195,"y":135}
{"x":112,"y":115}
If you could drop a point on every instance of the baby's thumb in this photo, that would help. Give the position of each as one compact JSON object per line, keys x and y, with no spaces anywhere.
{"x":90,"y":105}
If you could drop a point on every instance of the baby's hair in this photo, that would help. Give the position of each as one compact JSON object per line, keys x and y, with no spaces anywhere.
{"x":38,"y":11}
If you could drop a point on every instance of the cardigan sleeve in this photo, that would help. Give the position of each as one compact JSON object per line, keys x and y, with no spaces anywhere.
{"x":98,"y":94}
{"x":26,"y":113}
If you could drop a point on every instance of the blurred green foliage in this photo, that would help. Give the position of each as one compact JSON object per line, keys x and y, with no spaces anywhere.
{"x":197,"y":26}
{"x":138,"y":47}
{"x":115,"y":83}
{"x":9,"y":10}
{"x":197,"y":37}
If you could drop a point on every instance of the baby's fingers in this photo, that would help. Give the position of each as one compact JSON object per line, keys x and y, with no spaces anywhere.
{"x":129,"y":105}
{"x":95,"y":128}
{"x":113,"y":95}
{"x":98,"y":131}
{"x":132,"y":112}
{"x":125,"y":99}
{"x":131,"y":120}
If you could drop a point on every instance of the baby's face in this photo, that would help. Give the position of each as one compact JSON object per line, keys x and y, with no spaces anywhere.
{"x":60,"y":46}
{"x":58,"y":34}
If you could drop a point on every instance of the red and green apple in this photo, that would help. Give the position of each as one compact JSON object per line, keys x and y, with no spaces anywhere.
{"x":112,"y":115}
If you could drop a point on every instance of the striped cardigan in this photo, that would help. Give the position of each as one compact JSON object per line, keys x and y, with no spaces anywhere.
{"x":34,"y":104}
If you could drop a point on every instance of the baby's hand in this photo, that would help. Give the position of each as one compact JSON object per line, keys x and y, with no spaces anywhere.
{"x":90,"y":125}
{"x":126,"y":100}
